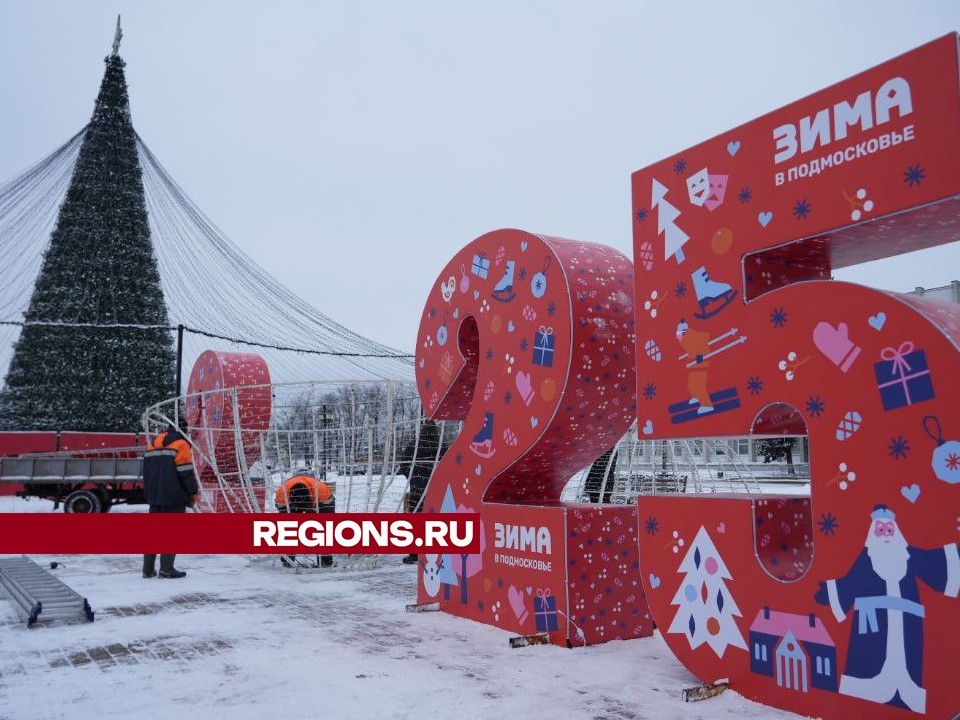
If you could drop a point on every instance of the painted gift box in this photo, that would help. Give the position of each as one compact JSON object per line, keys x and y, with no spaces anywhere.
{"x":545,"y":611}
{"x":903,"y":377}
{"x":481,"y":265}
{"x":543,"y":346}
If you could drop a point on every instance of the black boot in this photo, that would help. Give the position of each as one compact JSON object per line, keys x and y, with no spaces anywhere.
{"x":149,"y":566}
{"x":172,"y":573}
{"x":410,"y":559}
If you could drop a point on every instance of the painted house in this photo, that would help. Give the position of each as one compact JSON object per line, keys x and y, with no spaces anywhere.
{"x":795,"y":649}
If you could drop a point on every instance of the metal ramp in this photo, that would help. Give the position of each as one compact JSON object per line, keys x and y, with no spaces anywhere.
{"x":37,"y":595}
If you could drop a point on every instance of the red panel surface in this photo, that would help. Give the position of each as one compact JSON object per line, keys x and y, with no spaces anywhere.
{"x":871,"y":628}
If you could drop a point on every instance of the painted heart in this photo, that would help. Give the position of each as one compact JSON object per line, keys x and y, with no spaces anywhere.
{"x":477,"y":470}
{"x":510,"y":326}
{"x":764,"y":218}
{"x":654,"y":581}
{"x":523,"y":246}
{"x":911,"y":492}
{"x":534,"y":422}
{"x":648,"y":427}
{"x":733,"y":147}
{"x":529,"y":590}
{"x":877,"y":321}
{"x":476,"y":294}
{"x":722,"y":528}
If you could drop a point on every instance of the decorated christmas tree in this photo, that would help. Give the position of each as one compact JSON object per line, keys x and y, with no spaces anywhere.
{"x":95,"y":350}
{"x":706,"y":609}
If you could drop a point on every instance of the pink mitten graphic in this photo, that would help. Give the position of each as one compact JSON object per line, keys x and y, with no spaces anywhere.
{"x":517,"y":603}
{"x":525,"y":387}
{"x":834,"y":343}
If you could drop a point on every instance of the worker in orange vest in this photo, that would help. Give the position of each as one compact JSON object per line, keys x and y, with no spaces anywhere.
{"x":303,"y":493}
{"x":169,"y":486}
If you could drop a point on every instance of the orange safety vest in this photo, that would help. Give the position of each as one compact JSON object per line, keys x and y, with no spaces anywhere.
{"x":319,"y":491}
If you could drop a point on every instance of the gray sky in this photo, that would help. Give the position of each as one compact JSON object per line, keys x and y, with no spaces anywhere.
{"x":351,"y":148}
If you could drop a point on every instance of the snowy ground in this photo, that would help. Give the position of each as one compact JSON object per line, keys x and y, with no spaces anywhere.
{"x":247,"y":639}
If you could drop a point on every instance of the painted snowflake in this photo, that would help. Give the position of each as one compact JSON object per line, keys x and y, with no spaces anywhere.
{"x":953,"y":461}
{"x":522,"y":274}
{"x":801,"y":210}
{"x":755,"y":385}
{"x":459,"y":458}
{"x":680,"y":166}
{"x":681,"y":289}
{"x":899,"y":447}
{"x":745,"y":196}
{"x":652,"y":525}
{"x":828,"y":524}
{"x":524,"y":345}
{"x":489,"y":354}
{"x":507,"y":397}
{"x":914,"y":175}
{"x":815,"y":406}
{"x":641,"y":214}
{"x":552,"y":309}
{"x":649,"y":391}
{"x":778,"y":317}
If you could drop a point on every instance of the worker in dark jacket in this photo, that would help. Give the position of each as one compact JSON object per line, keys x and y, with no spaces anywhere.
{"x":303,"y":493}
{"x":417,"y":461}
{"x":169,"y":486}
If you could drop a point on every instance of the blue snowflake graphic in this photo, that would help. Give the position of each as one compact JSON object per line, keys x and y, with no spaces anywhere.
{"x":427,"y":383}
{"x":489,"y":354}
{"x":459,"y":458}
{"x":681,"y":289}
{"x":815,"y":406}
{"x":649,"y":391}
{"x":745,"y":196}
{"x":914,"y":175}
{"x":778,"y":317}
{"x":552,"y":309}
{"x":522,"y":274}
{"x":828,"y":524}
{"x":507,"y":397}
{"x":641,"y":215}
{"x":755,"y":385}
{"x":801,"y":210}
{"x":538,"y":284}
{"x":524,"y":345}
{"x":652,"y":525}
{"x":679,"y":166}
{"x":898,"y":447}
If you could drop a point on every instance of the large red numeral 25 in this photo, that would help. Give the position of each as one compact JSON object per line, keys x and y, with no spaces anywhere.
{"x":529,"y":340}
{"x":871,"y":626}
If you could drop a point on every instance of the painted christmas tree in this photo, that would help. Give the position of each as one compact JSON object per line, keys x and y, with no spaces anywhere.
{"x":673,"y":237}
{"x":99,"y":271}
{"x":448,"y":575}
{"x":706,"y":609}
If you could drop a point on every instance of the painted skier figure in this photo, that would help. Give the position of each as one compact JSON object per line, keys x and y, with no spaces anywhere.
{"x":885,"y":656}
{"x":696,"y":343}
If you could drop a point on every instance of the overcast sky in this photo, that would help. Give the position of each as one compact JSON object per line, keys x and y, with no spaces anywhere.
{"x":351,"y":148}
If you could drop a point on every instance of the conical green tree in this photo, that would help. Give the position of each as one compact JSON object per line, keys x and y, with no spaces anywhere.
{"x":98,"y":269}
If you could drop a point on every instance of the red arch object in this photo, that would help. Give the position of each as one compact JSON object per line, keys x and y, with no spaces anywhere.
{"x":223,"y":388}
{"x":528,"y":339}
{"x":871,"y":628}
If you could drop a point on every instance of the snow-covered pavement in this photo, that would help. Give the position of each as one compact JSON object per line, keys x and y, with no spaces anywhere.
{"x":248,"y":640}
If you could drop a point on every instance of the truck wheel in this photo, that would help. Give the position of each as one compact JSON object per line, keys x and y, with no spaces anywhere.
{"x":82,"y":501}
